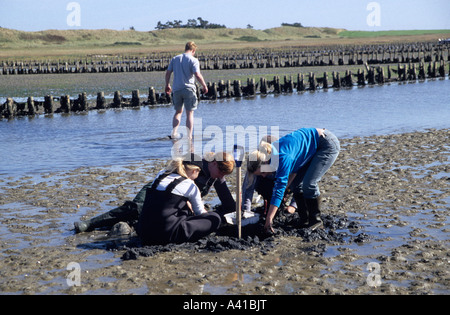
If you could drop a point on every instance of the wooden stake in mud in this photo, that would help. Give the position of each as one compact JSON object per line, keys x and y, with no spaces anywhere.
{"x":238,"y":157}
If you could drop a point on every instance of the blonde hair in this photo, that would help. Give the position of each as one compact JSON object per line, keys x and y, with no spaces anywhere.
{"x":177,"y":166}
{"x":225,"y":161}
{"x":259,"y":157}
{"x":190,"y":46}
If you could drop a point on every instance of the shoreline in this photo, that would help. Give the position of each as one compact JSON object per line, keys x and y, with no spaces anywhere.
{"x":394,"y":186}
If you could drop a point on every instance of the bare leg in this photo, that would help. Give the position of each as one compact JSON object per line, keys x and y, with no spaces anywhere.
{"x":190,"y":122}
{"x":176,"y":122}
{"x":190,"y":127}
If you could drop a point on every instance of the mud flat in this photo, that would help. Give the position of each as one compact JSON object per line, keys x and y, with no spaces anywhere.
{"x":386,"y":203}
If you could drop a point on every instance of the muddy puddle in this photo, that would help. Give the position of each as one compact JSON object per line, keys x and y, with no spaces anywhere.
{"x":386,"y":201}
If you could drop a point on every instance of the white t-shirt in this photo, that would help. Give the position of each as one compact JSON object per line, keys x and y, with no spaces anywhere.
{"x":186,"y":188}
{"x":184,"y":66}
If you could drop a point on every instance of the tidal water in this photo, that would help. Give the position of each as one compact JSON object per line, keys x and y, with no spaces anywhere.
{"x":118,"y":137}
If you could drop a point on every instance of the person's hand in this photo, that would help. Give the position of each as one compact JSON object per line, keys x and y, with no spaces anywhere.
{"x":268,"y":227}
{"x":189,"y":205}
{"x":205,"y":90}
{"x":168,"y":89}
{"x":291,"y":209}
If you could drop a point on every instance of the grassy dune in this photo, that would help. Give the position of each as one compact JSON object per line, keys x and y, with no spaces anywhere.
{"x":78,"y":43}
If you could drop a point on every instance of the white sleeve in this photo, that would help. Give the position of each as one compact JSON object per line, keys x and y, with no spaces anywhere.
{"x":196,"y":199}
{"x":189,"y":189}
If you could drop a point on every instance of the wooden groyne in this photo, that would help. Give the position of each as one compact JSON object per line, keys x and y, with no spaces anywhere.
{"x":371,"y":75}
{"x":250,"y":59}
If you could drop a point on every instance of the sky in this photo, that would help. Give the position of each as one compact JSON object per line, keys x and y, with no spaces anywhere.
{"x":143,"y":15}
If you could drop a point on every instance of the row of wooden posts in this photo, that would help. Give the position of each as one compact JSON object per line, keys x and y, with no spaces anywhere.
{"x":220,"y":90}
{"x":419,"y":52}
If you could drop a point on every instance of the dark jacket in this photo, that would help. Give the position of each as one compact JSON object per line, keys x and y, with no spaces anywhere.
{"x":166,"y":218}
{"x":204,"y":182}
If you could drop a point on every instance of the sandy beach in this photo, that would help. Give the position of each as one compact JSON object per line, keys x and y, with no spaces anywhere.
{"x":388,"y":194}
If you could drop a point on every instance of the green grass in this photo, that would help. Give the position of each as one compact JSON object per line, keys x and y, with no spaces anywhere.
{"x":248,"y":39}
{"x":65,"y":44}
{"x":84,"y":38}
{"x":127,"y":44}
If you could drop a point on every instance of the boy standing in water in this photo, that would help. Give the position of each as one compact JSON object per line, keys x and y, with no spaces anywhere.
{"x":186,"y":69}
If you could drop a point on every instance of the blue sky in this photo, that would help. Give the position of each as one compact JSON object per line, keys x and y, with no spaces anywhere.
{"x":143,"y":15}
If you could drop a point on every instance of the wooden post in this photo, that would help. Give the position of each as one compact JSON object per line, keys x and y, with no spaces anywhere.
{"x":263,"y":86}
{"x":288,"y":85}
{"x":412,"y":75}
{"x":348,"y":78}
{"x":101,"y":102}
{"x":277,"y":88}
{"x":237,"y":88}
{"x":151,"y":96}
{"x":312,"y":81}
{"x":222,"y":89}
{"x":168,"y":97}
{"x":117,"y":102}
{"x":238,"y":201}
{"x":361,"y":80}
{"x":401,"y":73}
{"x":84,"y":106}
{"x":325,"y":80}
{"x":213,"y":91}
{"x":422,"y":74}
{"x":380,"y":75}
{"x":251,"y":87}
{"x":238,"y":153}
{"x":336,"y":80}
{"x":370,"y":75}
{"x":48,"y":104}
{"x":434,"y":70}
{"x":442,"y":69}
{"x":10,"y":107}
{"x":31,"y":107}
{"x":135,"y":99}
{"x":229,"y":91}
{"x":300,"y":83}
{"x":65,"y":104}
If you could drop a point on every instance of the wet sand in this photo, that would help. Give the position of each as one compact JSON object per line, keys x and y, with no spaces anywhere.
{"x":391,"y":193}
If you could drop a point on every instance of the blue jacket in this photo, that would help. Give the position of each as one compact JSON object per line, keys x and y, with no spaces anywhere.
{"x":291,"y":152}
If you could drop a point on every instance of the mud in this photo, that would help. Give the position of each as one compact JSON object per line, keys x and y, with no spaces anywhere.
{"x":385,"y":206}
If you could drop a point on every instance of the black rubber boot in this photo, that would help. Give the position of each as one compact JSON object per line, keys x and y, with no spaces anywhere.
{"x":313,"y":206}
{"x":302,"y":210}
{"x":128,"y":212}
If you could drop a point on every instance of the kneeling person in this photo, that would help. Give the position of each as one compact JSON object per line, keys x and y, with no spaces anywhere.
{"x":173,"y":210}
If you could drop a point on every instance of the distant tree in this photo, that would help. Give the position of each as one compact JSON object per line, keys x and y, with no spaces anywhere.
{"x":159,"y":26}
{"x":292,"y":24}
{"x":202,"y":22}
{"x":132,"y":28}
{"x":249,"y":26}
{"x":192,"y":23}
{"x":177,"y":23}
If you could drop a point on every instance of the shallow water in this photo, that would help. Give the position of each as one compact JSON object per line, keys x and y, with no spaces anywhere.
{"x":116,"y":137}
